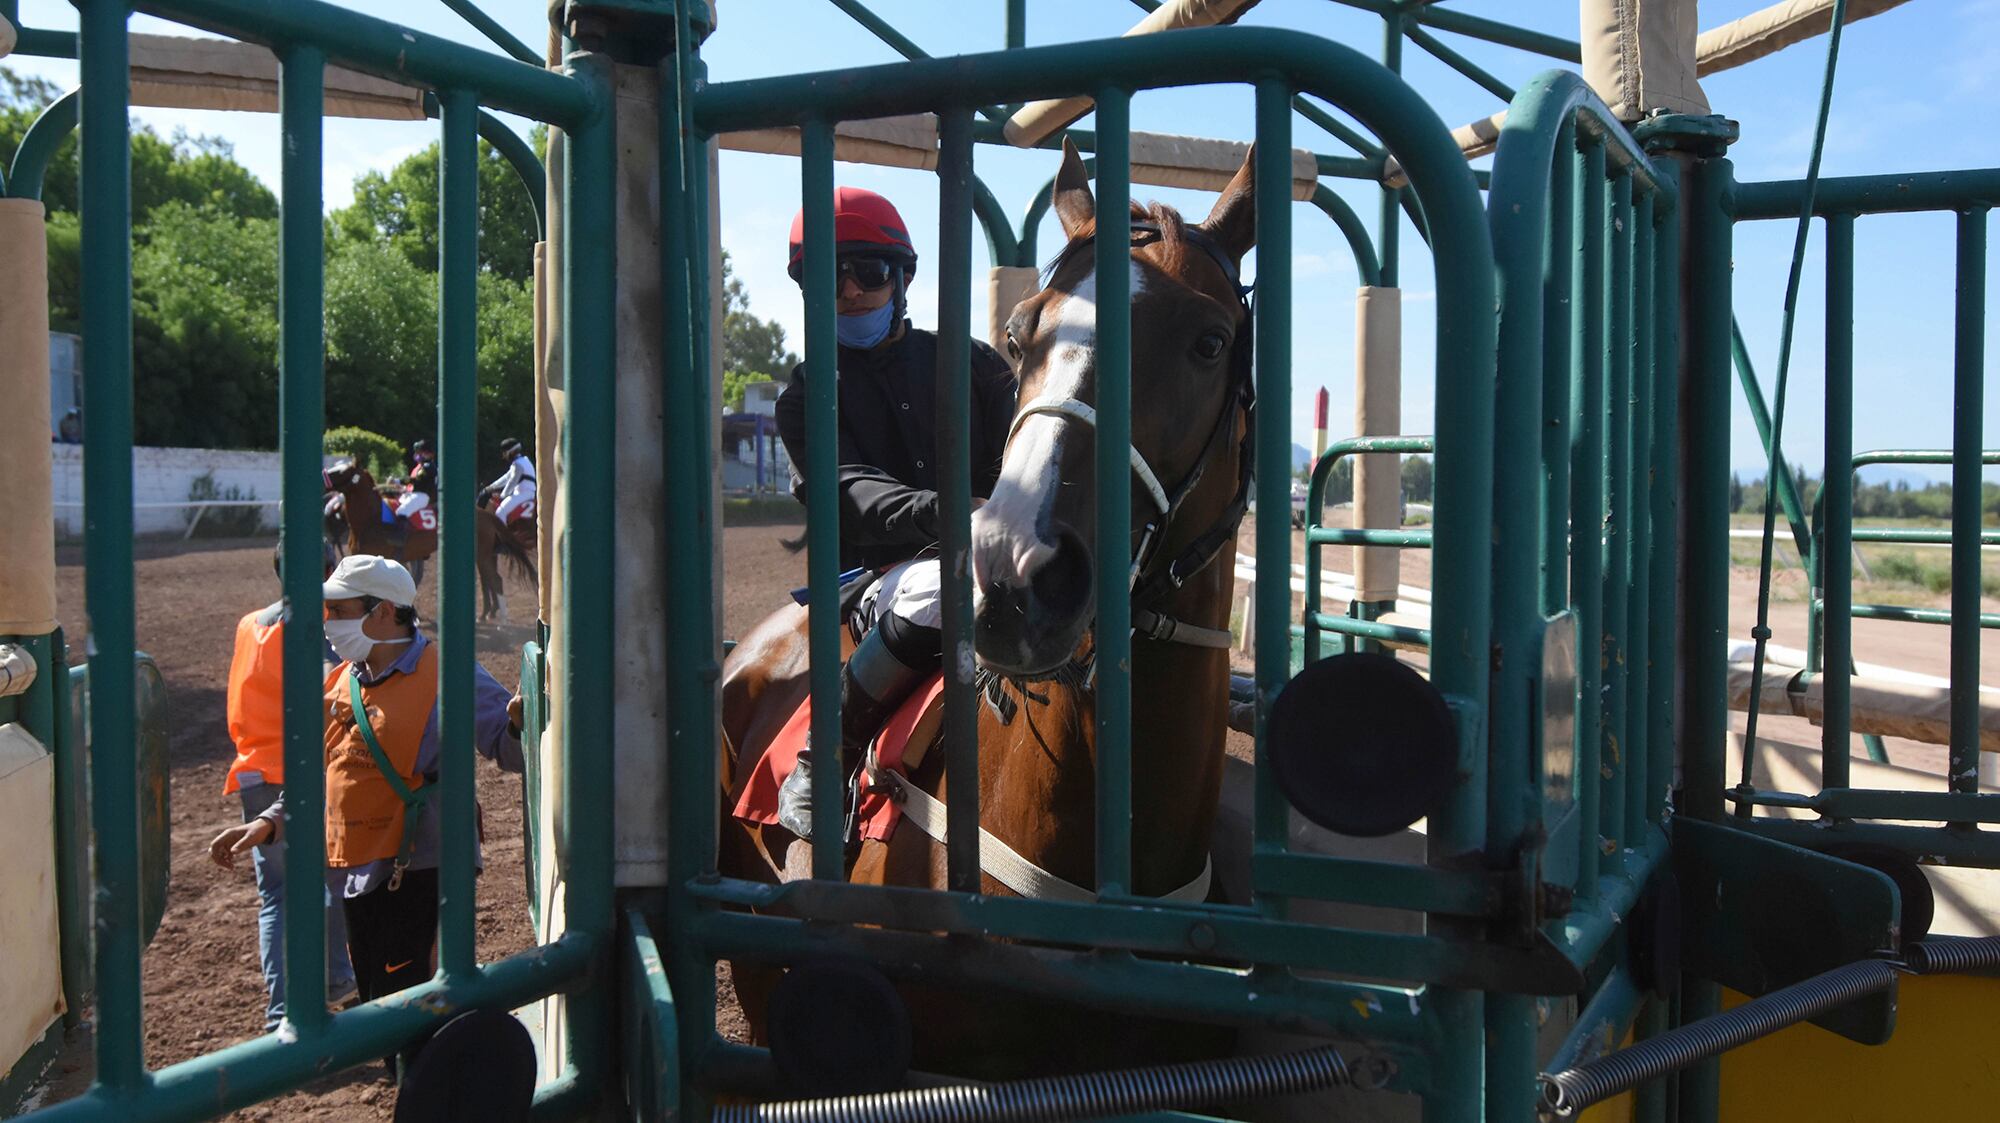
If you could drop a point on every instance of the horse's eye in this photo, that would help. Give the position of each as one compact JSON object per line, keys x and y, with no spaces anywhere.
{"x":1211,"y":345}
{"x":1013,"y":347}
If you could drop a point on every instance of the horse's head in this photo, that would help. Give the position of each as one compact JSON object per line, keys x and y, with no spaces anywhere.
{"x":1034,"y":540}
{"x":346,"y":477}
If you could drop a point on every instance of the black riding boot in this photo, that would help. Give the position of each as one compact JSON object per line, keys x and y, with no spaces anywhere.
{"x":872,"y":685}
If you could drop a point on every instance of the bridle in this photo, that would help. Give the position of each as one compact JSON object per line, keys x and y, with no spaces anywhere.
{"x":1150,"y":584}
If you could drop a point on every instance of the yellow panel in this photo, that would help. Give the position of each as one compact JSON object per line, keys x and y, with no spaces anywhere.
{"x":1940,"y":1065}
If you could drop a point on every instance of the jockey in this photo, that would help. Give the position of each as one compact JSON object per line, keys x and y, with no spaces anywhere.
{"x":516,"y":488}
{"x":888,"y":474}
{"x":423,"y":479}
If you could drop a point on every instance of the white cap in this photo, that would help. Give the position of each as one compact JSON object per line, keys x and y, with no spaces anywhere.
{"x":365,"y":575}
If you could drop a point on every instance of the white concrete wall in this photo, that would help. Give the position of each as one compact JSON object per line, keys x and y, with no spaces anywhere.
{"x":164,"y":475}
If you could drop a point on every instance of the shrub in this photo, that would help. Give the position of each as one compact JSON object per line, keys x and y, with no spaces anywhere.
{"x":222,"y":522}
{"x":378,"y":454}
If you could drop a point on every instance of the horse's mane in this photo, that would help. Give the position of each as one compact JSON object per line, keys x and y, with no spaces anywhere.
{"x":1172,"y":244}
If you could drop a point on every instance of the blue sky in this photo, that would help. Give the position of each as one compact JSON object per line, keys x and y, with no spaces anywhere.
{"x":1916,"y":86}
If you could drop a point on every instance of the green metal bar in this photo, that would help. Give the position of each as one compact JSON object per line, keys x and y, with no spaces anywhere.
{"x":302,"y":405}
{"x":1586,"y":505}
{"x":1637,"y":651}
{"x":885,"y":31}
{"x":1909,"y":615}
{"x":1351,"y":228}
{"x":1949,"y":845}
{"x":1338,"y":129}
{"x":387,"y":50}
{"x":1393,"y":885}
{"x":652,"y":1016}
{"x":1017,"y":24}
{"x":1870,"y":803}
{"x":499,"y":36}
{"x":1458,"y":62}
{"x":106,"y":190}
{"x":522,"y":159}
{"x":1836,"y":572}
{"x":1779,"y":479}
{"x":1919,"y":537}
{"x":268,"y":1066}
{"x":1617,"y":419}
{"x":1917,"y":456}
{"x":1494,"y":31}
{"x":458,"y":393}
{"x":1369,"y":629}
{"x":47,"y":44}
{"x":1559,"y":273}
{"x":692,"y":721}
{"x":822,"y":497}
{"x":1114,"y":493}
{"x":1968,"y":400}
{"x":1000,"y":242}
{"x":1389,"y":227}
{"x":1361,"y":536}
{"x":1663,"y":663}
{"x":38,"y":146}
{"x":586,"y":550}
{"x":72,"y":814}
{"x":1870,"y":194}
{"x":954,"y":444}
{"x":1704,"y":497}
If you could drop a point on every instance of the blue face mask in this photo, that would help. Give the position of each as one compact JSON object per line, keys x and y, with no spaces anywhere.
{"x":864,"y":330}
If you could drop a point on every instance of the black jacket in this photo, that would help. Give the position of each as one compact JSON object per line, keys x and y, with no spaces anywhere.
{"x":888,"y":442}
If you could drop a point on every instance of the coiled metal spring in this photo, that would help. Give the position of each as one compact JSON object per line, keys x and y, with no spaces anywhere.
{"x":1572,"y":1090}
{"x":1946,"y":955}
{"x":1084,"y":1096}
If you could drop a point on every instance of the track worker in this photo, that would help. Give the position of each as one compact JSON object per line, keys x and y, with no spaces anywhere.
{"x":515,"y":487}
{"x":888,"y":468}
{"x":382,"y":754}
{"x":257,"y":728}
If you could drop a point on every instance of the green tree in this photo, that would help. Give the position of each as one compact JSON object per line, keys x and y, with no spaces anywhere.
{"x":506,"y":366}
{"x":381,"y":342}
{"x":400,"y":207}
{"x":753,"y":350}
{"x":1416,"y":479}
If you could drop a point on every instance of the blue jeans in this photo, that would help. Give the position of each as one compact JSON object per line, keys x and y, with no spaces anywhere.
{"x":269,"y":863}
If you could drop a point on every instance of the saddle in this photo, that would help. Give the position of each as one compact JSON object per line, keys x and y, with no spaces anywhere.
{"x":899,"y":749}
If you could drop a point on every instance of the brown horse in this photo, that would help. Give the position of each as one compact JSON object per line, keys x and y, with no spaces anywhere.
{"x":522,"y":528}
{"x":361,"y":504}
{"x":1032,"y":570}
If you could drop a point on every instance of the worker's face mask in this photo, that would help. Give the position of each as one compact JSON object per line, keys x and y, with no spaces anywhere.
{"x":350,"y":642}
{"x":864,"y":330}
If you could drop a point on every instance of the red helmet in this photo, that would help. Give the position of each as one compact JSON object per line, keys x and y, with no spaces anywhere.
{"x":863,"y":222}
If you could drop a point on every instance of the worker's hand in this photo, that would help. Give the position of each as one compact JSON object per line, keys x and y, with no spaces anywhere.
{"x":238,"y":840}
{"x":514,"y":713}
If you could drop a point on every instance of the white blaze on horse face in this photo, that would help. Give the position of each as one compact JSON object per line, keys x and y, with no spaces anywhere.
{"x":1008,"y":529}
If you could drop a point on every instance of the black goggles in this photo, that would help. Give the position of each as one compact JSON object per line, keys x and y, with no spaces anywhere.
{"x":870,"y":273}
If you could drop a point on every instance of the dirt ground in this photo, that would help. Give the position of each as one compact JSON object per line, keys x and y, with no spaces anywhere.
{"x":203,"y":989}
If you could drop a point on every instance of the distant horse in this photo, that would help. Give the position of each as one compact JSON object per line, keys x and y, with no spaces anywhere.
{"x":522,"y":527}
{"x":1032,"y":551}
{"x":363,"y":508}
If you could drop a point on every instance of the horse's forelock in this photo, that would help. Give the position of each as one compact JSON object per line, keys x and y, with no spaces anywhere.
{"x":1170,"y":251}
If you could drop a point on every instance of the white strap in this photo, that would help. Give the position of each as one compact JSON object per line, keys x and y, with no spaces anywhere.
{"x":1078,"y":411}
{"x":1004,"y":864}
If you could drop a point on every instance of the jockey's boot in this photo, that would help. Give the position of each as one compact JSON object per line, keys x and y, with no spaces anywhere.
{"x":872,"y":684}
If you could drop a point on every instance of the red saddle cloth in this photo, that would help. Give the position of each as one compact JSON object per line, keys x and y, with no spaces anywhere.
{"x":914,"y":724}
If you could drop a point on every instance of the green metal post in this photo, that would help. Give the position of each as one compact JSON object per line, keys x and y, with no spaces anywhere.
{"x":1634,"y":654}
{"x":954,"y":413}
{"x":1780,"y":481}
{"x":588,"y":545}
{"x":822,"y":497}
{"x":1616,"y":417}
{"x":458,"y":394}
{"x":1586,"y":504}
{"x":1968,"y":401}
{"x":1273,"y":641}
{"x":1704,"y":565}
{"x":1560,"y":271}
{"x":1458,"y":62}
{"x":1017,"y":24}
{"x":1663,"y":574}
{"x":1391,"y":220}
{"x":106,"y":190}
{"x":302,"y":404}
{"x":498,"y":35}
{"x":1114,"y":492}
{"x":1836,"y":569}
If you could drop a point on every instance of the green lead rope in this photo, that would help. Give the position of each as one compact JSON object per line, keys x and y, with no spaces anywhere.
{"x":414,"y":802}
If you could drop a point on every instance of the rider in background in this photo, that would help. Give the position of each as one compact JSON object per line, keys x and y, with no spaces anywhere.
{"x":423,"y":479}
{"x":888,"y":474}
{"x":516,"y":487}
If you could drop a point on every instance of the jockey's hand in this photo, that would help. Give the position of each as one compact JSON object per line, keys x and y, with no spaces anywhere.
{"x":238,"y":840}
{"x":514,"y":713}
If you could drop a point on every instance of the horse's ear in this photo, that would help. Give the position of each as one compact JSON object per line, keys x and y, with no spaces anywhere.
{"x":1233,"y":222}
{"x":1074,"y":204}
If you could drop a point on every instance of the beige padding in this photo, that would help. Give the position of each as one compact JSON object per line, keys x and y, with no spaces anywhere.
{"x":8,"y":37}
{"x":1007,"y":286}
{"x":28,"y":540}
{"x":31,"y":997}
{"x":896,"y":142}
{"x":1207,"y":164}
{"x":1378,"y":412}
{"x":1037,"y":121}
{"x":1886,"y":707}
{"x":1773,"y":29}
{"x":1639,"y":56}
{"x":179,"y":72}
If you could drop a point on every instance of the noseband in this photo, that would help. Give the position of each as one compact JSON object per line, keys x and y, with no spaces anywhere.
{"x":1147,"y":584}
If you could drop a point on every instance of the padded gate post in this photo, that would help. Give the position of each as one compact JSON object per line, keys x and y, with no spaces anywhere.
{"x":1378,"y":412}
{"x":1639,"y":55}
{"x":28,"y":548}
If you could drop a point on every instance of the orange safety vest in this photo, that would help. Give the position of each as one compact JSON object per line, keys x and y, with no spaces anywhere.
{"x":364,"y":815}
{"x":256,"y":697}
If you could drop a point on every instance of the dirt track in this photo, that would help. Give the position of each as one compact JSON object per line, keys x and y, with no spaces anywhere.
{"x":202,"y":986}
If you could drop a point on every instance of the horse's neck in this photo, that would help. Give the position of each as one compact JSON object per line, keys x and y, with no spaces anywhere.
{"x":1038,"y":772}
